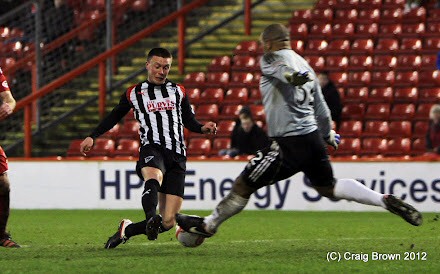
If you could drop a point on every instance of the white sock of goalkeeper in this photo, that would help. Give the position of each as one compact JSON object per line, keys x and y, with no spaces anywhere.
{"x":352,"y":190}
{"x":228,"y":207}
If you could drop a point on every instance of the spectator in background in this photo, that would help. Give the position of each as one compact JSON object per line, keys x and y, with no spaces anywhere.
{"x":412,"y":4}
{"x":332,"y":97}
{"x":247,"y":137}
{"x":433,"y":134}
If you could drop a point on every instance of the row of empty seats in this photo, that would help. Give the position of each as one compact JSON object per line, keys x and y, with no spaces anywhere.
{"x":390,"y":95}
{"x":386,"y":111}
{"x":381,"y":128}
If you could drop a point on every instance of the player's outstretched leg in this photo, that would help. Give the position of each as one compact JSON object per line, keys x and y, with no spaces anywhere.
{"x":6,"y":241}
{"x":119,"y":237}
{"x":153,"y":226}
{"x":193,"y":224}
{"x":404,"y":210}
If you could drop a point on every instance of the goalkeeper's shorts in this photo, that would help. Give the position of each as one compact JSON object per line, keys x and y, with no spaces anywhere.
{"x":287,"y":156}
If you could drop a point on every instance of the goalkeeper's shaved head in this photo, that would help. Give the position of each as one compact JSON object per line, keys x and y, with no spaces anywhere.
{"x":275,"y":37}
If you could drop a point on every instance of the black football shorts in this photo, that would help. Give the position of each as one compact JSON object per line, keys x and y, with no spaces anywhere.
{"x":287,"y":156}
{"x":172,"y":165}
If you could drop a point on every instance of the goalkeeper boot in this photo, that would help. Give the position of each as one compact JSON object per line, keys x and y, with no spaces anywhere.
{"x":193,"y":224}
{"x":404,"y":210}
{"x":153,"y":226}
{"x":6,"y":241}
{"x":119,"y":237}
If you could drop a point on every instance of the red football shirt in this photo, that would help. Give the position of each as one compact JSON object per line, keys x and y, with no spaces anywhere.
{"x":4,"y":84}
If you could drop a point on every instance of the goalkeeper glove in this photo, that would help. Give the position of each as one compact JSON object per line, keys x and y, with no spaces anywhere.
{"x":297,"y":78}
{"x":333,"y":139}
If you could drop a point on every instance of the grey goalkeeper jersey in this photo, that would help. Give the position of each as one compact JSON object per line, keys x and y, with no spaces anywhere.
{"x":291,"y":110}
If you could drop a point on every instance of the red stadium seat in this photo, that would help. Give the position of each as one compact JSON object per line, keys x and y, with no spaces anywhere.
{"x":356,"y":95}
{"x":384,"y":62}
{"x":431,"y":29}
{"x":338,"y":47}
{"x":217,"y":79}
{"x":402,"y":112}
{"x":207,"y":112}
{"x":380,"y":95}
{"x":130,"y":130}
{"x":382,"y":78}
{"x":221,"y":63}
{"x":316,"y":62}
{"x":212,"y":95}
{"x":429,"y":95}
{"x":74,"y":147}
{"x":127,"y":147}
{"x":140,"y":5}
{"x":113,"y":132}
{"x":321,"y":15}
{"x":350,"y":129}
{"x":348,"y":146}
{"x":386,"y":46}
{"x":199,"y":146}
{"x":258,"y":112}
{"x":374,"y":145}
{"x":301,"y":16}
{"x":320,"y":30}
{"x":369,"y":4}
{"x":225,"y":127}
{"x":406,"y":95}
{"x":420,"y":129}
{"x":336,"y":63}
{"x":360,"y":62}
{"x":194,"y":80}
{"x":399,"y":129}
{"x":347,"y":4}
{"x":368,"y":16}
{"x":387,"y":4}
{"x":410,"y":45}
{"x":315,"y":46}
{"x":339,"y":78}
{"x":429,"y":78}
{"x":345,"y":15}
{"x":415,"y":15}
{"x":193,"y":95}
{"x":418,"y":146}
{"x":353,"y":112}
{"x":129,"y":116}
{"x":366,"y":31}
{"x":392,"y":15}
{"x":236,"y":96}
{"x":376,"y":129}
{"x":389,"y":30}
{"x":244,"y":63}
{"x":255,"y":96}
{"x":219,"y":144}
{"x":241,"y":79}
{"x":298,"y":31}
{"x":422,"y":111}
{"x":379,"y":111}
{"x":230,"y":111}
{"x":342,"y":30}
{"x":408,"y":62}
{"x":433,"y":16}
{"x":297,"y":45}
{"x":398,"y":147}
{"x":102,"y":147}
{"x":362,"y":46}
{"x":96,"y":4}
{"x":406,"y":78}
{"x":322,"y":4}
{"x":431,"y":45}
{"x":246,"y":48}
{"x":413,"y":30}
{"x":429,"y":62}
{"x":359,"y":78}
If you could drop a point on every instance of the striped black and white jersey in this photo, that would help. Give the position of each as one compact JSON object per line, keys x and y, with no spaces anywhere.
{"x":162,"y":112}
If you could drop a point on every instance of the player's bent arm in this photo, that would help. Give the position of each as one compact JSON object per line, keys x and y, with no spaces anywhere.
{"x":188,"y":118}
{"x":6,"y":97}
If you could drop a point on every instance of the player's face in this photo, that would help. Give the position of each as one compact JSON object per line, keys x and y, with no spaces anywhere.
{"x":158,"y":69}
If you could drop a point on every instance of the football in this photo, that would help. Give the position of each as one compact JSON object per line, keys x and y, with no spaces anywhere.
{"x":188,"y":239}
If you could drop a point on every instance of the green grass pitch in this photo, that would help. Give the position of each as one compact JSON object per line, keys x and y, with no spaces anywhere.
{"x":71,"y":241}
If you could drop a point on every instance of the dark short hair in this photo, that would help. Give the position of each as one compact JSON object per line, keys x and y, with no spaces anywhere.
{"x":246,"y":112}
{"x":160,"y":52}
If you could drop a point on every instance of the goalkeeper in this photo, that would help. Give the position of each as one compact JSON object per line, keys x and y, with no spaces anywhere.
{"x":298,"y":122}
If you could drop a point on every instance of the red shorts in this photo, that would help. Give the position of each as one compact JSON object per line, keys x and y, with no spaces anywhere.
{"x":3,"y":161}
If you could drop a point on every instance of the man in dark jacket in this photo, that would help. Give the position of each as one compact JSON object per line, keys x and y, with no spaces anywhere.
{"x":332,"y":98}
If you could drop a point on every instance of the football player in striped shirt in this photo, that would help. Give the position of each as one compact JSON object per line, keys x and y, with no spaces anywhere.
{"x":163,"y":110}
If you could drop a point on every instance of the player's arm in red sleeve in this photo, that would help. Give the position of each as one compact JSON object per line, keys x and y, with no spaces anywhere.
{"x":8,"y":103}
